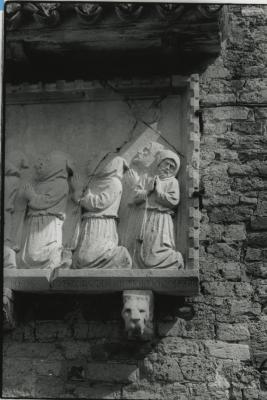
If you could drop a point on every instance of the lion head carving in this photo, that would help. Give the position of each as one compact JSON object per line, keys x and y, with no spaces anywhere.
{"x":137,"y":312}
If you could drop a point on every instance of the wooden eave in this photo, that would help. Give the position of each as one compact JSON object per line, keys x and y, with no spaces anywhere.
{"x":75,"y":48}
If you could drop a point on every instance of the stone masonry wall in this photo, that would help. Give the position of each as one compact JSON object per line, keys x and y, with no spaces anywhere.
{"x":214,"y":346}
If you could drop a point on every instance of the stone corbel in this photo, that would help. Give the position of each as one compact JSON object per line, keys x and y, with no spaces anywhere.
{"x":8,"y":310}
{"x":170,"y":11}
{"x":13,"y":15}
{"x":89,"y":12}
{"x":45,"y":13}
{"x":137,"y":312}
{"x":128,"y":11}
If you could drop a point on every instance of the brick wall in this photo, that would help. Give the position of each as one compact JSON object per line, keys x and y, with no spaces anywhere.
{"x":210,"y":347}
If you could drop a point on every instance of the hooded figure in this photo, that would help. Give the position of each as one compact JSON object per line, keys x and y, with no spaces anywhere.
{"x":155,"y":246}
{"x":138,"y":177}
{"x":98,"y":240}
{"x":41,"y":243}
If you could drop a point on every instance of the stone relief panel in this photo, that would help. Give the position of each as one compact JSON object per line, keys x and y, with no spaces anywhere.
{"x":121,"y":206}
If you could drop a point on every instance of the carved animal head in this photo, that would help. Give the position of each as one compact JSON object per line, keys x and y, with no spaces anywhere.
{"x":138,"y":312}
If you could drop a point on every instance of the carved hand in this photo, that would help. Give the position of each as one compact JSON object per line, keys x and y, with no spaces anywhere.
{"x":76,"y":183}
{"x":158,"y":186}
{"x":140,"y":196}
{"x":151,"y":186}
{"x":132,"y":177}
{"x":28,"y":191}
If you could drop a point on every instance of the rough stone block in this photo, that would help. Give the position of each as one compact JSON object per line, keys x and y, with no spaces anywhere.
{"x":231,"y":271}
{"x":253,"y":254}
{"x":262,"y":208}
{"x":233,"y":332}
{"x":33,"y":351}
{"x":257,"y":269}
{"x":248,"y":128}
{"x":230,"y":199}
{"x":80,"y":330}
{"x":243,"y":289}
{"x":75,"y":350}
{"x":197,"y":369}
{"x":261,"y":291}
{"x":228,"y":350}
{"x":99,"y":329}
{"x":220,"y":289}
{"x":261,"y":113}
{"x":252,"y":11}
{"x":235,"y":232}
{"x":96,"y":391}
{"x":156,"y":391}
{"x":230,"y":214}
{"x":164,"y":369}
{"x":259,"y":223}
{"x":224,"y":251}
{"x":112,"y":372}
{"x":177,"y":346}
{"x":48,"y":368}
{"x":49,"y":387}
{"x":173,"y":328}
{"x":18,"y":379}
{"x":248,"y":200}
{"x":246,"y":184}
{"x":240,"y":170}
{"x":257,"y":239}
{"x":228,"y":113}
{"x":49,"y":331}
{"x":244,"y":307}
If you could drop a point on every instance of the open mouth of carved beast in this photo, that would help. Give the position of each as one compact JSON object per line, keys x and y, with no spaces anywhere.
{"x":136,"y":329}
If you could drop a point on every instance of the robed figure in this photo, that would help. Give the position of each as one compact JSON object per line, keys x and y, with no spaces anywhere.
{"x":98,"y":243}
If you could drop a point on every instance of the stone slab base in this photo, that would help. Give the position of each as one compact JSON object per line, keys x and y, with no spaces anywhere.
{"x":179,"y":283}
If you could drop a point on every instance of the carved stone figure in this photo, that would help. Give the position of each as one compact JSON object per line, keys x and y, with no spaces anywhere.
{"x":8,"y":310}
{"x":41,"y":242}
{"x":100,"y":201}
{"x":16,"y":161}
{"x":137,"y":313}
{"x":141,"y":171}
{"x":158,"y":197}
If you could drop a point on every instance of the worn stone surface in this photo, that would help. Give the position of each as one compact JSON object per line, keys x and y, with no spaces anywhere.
{"x":218,"y":351}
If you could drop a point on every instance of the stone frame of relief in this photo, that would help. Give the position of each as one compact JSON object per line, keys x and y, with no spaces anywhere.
{"x":174,"y":282}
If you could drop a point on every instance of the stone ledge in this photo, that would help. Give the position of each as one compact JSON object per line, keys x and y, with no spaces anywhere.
{"x":172,"y":282}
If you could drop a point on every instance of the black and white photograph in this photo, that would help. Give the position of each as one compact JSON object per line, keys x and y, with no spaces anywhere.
{"x":134,"y":200}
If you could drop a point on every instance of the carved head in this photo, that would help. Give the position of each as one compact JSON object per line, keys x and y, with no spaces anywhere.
{"x":137,"y":312}
{"x":168,"y":164}
{"x":146,"y":155}
{"x":116,"y":166}
{"x":54,"y":164}
{"x":15,"y":162}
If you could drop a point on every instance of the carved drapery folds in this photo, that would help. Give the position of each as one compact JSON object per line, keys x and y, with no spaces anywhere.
{"x":55,"y":13}
{"x":147,"y":234}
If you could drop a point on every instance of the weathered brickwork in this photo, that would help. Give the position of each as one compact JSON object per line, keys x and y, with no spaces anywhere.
{"x":211,"y":347}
